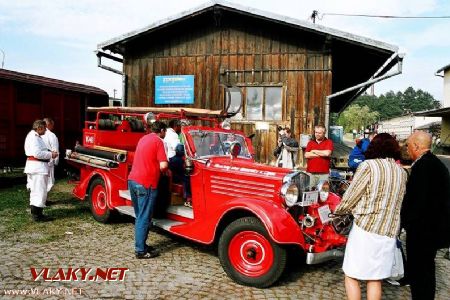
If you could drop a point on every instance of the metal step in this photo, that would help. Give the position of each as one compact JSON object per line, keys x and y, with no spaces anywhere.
{"x":126,"y":210}
{"x":178,"y":210}
{"x":182,"y":211}
{"x":125,"y":194}
{"x":165,"y":223}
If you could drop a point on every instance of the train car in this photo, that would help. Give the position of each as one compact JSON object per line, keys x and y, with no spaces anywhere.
{"x":26,"y":97}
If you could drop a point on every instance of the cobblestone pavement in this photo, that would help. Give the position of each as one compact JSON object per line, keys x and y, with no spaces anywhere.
{"x":184,"y":270}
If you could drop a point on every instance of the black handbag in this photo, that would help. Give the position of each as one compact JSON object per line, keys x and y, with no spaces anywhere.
{"x":342,"y":223}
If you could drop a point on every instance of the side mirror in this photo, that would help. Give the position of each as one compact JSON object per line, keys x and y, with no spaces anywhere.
{"x":235,"y":149}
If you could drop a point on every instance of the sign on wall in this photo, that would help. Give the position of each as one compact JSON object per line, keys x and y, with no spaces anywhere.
{"x":174,"y":89}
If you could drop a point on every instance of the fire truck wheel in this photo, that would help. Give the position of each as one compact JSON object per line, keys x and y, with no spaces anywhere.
{"x":249,"y":256}
{"x":97,"y":201}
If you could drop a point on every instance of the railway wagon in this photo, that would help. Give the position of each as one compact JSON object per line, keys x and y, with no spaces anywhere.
{"x":26,"y":97}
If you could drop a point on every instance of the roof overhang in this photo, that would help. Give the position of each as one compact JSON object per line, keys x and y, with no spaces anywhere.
{"x":440,"y":112}
{"x":50,"y":82}
{"x":444,"y":68}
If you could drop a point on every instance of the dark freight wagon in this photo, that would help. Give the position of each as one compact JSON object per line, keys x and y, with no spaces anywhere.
{"x":25,"y":98}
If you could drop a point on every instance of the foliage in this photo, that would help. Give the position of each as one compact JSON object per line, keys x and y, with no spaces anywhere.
{"x":368,"y":109}
{"x":357,"y":117}
{"x":391,"y":105}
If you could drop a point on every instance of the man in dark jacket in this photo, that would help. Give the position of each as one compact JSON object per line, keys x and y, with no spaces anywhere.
{"x":425,"y":215}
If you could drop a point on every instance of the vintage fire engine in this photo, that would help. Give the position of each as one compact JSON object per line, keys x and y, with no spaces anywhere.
{"x":253,"y":212}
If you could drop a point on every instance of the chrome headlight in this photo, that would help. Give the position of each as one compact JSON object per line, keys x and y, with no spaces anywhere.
{"x":324,"y":190}
{"x":290,"y":193}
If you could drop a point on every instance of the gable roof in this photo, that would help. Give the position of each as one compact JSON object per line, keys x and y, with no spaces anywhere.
{"x":50,"y":82}
{"x":115,"y":43}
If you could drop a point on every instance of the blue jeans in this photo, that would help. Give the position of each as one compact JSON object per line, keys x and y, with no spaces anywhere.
{"x":143,"y":202}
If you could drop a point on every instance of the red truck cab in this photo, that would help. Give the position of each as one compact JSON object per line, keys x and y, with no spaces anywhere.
{"x":251,"y":211}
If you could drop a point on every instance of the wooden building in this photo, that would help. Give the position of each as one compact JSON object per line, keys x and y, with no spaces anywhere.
{"x":284,"y":67}
{"x":25,"y":98}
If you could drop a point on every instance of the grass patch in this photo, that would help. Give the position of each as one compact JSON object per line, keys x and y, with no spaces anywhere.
{"x":67,"y":211}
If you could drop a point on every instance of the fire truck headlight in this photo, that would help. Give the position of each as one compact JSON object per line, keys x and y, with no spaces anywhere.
{"x":290,"y":193}
{"x":324,"y":189}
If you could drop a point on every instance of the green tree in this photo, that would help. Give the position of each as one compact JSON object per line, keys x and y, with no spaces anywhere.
{"x":355,"y":117}
{"x":391,"y":104}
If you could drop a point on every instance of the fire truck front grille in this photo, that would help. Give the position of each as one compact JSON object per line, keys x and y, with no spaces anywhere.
{"x":241,"y":188}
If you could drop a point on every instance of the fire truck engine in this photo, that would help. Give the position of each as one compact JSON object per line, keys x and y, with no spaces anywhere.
{"x":254,"y":213}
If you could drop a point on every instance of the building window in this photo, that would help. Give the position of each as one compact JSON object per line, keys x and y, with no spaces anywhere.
{"x":260,"y":103}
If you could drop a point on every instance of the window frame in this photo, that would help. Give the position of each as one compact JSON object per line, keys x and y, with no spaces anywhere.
{"x":243,"y":111}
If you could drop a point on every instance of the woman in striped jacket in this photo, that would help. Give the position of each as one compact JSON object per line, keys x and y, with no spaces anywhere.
{"x":374,"y":199}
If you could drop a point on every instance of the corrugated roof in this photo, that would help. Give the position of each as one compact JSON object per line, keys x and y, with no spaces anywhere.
{"x":50,"y":82}
{"x":340,"y":35}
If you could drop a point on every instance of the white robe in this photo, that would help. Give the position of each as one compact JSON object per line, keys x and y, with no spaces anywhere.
{"x":51,"y":141}
{"x":37,"y":171}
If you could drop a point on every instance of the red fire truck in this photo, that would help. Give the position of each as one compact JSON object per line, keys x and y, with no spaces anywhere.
{"x":253,"y":212}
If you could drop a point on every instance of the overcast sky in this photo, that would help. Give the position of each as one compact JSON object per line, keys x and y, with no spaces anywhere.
{"x":57,"y":38}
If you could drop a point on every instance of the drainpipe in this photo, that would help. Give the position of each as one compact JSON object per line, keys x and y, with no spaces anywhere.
{"x":363,"y":85}
{"x":124,"y":76}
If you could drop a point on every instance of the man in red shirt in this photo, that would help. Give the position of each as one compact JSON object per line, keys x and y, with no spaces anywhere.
{"x":149,"y":161}
{"x":318,"y":155}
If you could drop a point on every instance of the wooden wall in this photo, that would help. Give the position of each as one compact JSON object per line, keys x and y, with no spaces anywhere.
{"x":278,"y":55}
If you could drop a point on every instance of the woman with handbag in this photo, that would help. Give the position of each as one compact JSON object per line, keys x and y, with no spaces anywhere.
{"x":374,"y":199}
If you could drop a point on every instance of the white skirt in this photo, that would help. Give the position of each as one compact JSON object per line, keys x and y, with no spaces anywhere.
{"x":368,"y":256}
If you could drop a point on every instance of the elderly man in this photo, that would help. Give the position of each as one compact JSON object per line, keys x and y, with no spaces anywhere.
{"x":36,"y":168}
{"x":428,"y":188}
{"x":318,"y":155}
{"x":51,"y":141}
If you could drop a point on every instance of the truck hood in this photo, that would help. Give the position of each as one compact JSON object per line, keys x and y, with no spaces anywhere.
{"x":248,"y":167}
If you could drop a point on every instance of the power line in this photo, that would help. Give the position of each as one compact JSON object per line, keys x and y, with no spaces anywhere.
{"x":384,"y":16}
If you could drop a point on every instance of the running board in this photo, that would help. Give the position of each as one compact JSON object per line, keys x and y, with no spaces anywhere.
{"x":126,"y":210}
{"x":162,"y":223}
{"x":178,"y":210}
{"x":165,"y":223}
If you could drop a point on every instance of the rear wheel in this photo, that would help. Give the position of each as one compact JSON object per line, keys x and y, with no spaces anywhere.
{"x":249,"y":256}
{"x":98,"y":201}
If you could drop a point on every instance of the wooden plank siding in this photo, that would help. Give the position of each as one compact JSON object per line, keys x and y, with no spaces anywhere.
{"x":241,"y":55}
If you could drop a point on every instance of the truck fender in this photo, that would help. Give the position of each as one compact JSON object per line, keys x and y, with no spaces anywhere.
{"x":280,"y":225}
{"x":81,"y":190}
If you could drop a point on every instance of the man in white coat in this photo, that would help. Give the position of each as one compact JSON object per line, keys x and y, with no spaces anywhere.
{"x":51,"y":141}
{"x":36,"y":168}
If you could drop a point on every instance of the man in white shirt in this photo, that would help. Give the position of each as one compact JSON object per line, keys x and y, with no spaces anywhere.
{"x":37,"y":170}
{"x":172,"y":139}
{"x":52,"y":143}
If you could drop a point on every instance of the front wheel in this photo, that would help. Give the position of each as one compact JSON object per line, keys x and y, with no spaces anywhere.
{"x":98,"y":201}
{"x":249,"y":256}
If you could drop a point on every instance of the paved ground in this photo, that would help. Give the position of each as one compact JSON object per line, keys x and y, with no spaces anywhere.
{"x":185,"y":270}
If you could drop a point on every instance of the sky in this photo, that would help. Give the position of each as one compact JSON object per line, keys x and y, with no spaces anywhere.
{"x":57,"y":38}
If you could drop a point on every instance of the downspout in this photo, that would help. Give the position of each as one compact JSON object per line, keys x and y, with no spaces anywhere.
{"x":124,"y":76}
{"x":363,"y":85}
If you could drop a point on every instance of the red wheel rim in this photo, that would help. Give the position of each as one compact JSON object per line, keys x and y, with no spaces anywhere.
{"x":250,"y":253}
{"x":99,"y":200}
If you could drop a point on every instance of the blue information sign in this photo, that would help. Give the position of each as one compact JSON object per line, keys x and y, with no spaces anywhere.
{"x":174,"y":89}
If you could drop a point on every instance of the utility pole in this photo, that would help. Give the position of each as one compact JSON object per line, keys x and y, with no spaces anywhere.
{"x":314,"y":15}
{"x":3,"y":59}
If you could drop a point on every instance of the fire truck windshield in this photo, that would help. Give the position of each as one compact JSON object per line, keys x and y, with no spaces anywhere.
{"x":213,"y":143}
